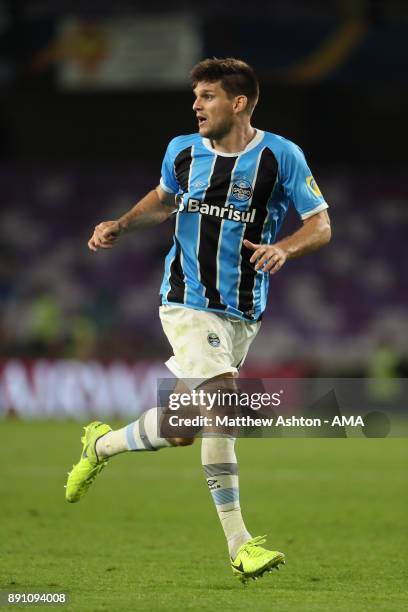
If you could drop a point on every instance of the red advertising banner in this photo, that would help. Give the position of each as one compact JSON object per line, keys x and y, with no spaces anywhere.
{"x":78,"y":390}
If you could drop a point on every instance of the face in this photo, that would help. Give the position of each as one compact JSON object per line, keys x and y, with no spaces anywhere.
{"x":213,"y":109}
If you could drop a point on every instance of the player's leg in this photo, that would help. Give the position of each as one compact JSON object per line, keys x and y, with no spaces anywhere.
{"x":100,"y":443}
{"x":208,"y":348}
{"x":141,"y":435}
{"x":221,"y":468}
{"x":248,"y":558}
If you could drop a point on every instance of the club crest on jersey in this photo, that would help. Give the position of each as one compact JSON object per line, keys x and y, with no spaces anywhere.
{"x":311,"y":183}
{"x":242,"y":190}
{"x":223,"y":212}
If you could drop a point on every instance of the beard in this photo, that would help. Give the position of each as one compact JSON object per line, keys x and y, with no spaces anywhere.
{"x":220,"y":130}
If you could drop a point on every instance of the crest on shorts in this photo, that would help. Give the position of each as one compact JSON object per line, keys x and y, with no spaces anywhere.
{"x":213,"y":339}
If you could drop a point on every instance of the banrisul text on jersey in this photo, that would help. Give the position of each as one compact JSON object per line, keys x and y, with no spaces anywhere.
{"x":224,"y":212}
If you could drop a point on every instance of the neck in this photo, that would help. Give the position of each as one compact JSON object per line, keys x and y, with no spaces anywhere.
{"x":236,"y":140}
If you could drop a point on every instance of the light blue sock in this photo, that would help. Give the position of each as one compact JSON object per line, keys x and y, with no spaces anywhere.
{"x":142,"y":435}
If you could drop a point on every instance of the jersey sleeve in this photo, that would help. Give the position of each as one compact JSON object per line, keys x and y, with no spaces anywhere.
{"x":168,"y":180}
{"x":298,"y":182}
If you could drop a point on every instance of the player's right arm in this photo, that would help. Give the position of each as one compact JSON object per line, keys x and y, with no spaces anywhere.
{"x":154,"y":208}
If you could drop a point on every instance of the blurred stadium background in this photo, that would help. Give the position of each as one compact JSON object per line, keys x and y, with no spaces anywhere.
{"x":90,"y":95}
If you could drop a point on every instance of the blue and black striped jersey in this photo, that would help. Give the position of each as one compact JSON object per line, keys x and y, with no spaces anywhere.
{"x":224,"y":198}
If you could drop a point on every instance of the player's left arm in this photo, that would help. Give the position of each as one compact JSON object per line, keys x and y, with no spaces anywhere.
{"x":300,"y":188}
{"x":314,"y":233}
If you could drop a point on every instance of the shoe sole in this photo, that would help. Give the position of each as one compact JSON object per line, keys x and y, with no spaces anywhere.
{"x":271,"y":565}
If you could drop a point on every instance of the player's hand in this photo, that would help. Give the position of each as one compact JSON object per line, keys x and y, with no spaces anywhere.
{"x":105,"y":235}
{"x":268,"y":257}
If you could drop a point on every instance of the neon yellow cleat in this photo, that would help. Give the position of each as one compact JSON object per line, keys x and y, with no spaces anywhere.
{"x":84,"y":473}
{"x":252,"y":561}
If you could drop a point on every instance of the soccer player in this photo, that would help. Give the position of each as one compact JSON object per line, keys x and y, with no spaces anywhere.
{"x":229,"y":187}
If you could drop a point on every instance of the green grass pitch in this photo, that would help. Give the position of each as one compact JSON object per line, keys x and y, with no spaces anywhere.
{"x":147,"y":537}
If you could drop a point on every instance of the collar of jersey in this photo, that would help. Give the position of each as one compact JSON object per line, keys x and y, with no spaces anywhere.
{"x":254,"y":142}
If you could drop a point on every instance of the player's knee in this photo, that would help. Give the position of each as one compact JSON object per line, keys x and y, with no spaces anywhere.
{"x":181,"y":441}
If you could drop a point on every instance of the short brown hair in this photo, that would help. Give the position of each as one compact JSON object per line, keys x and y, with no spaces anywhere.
{"x":237,"y":77}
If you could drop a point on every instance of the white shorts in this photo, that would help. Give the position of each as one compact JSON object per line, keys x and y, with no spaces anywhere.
{"x":205,"y":344}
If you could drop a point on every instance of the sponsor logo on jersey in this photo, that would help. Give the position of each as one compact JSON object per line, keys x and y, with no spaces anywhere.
{"x":242,"y":190}
{"x":224,"y":212}
{"x":213,"y":339}
{"x":311,"y":183}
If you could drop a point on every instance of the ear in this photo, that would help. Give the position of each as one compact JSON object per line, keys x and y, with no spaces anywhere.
{"x":240,"y":104}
